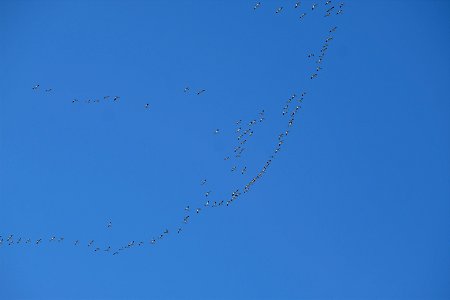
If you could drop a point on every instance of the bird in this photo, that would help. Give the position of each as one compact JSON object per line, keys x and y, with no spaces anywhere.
{"x":90,"y":243}
{"x":226,"y":158}
{"x":333,"y":29}
{"x":216,"y":131}
{"x":203,"y":182}
{"x":115,"y":253}
{"x":36,"y":87}
{"x":107,"y":249}
{"x":279,"y":9}
{"x":186,"y":208}
{"x":96,"y":249}
{"x":146,"y":105}
{"x":238,"y":122}
{"x":297,"y":4}
{"x":207,"y":203}
{"x":207,"y":193}
{"x":198,"y":210}
{"x":105,"y":97}
{"x":310,"y":55}
{"x":201,"y":91}
{"x":244,"y":170}
{"x":339,"y":12}
{"x":186,"y":89}
{"x":302,"y":15}
{"x":76,"y":242}
{"x":38,"y":241}
{"x":313,"y":6}
{"x":257,"y":5}
{"x":109,"y":224}
{"x":48,"y":90}
{"x":166,"y":231}
{"x":116,"y":98}
{"x":233,"y":169}
{"x":179,"y":230}
{"x":74,"y":100}
{"x":328,"y":2}
{"x":53,"y":238}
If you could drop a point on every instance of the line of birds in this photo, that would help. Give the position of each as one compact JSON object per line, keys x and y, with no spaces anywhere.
{"x":328,"y":5}
{"x":243,"y":134}
{"x":106,"y":98}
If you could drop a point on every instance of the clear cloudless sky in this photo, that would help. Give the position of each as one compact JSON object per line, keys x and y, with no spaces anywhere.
{"x":355,"y":206}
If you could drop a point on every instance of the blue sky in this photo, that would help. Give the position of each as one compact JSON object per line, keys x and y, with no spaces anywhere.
{"x":354,"y":206}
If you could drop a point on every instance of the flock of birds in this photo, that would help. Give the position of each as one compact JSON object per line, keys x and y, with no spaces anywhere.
{"x":244,"y":132}
{"x":330,"y":8}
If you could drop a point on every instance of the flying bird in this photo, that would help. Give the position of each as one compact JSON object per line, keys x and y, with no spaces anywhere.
{"x":201,"y":91}
{"x":257,"y":5}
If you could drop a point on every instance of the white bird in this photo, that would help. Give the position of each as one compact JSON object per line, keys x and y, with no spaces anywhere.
{"x":216,"y":131}
{"x":147,"y":105}
{"x":297,"y":4}
{"x":279,"y":9}
{"x":186,"y":89}
{"x":36,"y":87}
{"x":257,"y":5}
